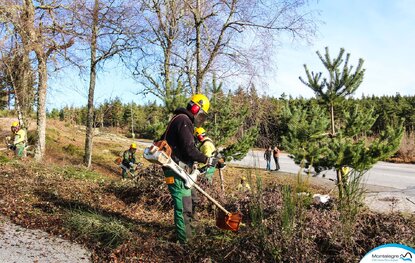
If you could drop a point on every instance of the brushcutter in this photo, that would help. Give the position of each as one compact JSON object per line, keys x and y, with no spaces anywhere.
{"x":225,"y":220}
{"x":118,"y":161}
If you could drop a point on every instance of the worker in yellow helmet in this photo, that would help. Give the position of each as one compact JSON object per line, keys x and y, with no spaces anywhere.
{"x":243,"y":186}
{"x":19,"y":139}
{"x":207,"y":147}
{"x":179,"y":136}
{"x":129,"y":160}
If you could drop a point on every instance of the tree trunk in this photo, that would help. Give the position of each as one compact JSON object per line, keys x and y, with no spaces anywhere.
{"x":198,"y":23}
{"x":340,"y":185}
{"x":41,"y":106}
{"x":92,"y":78}
{"x":9,"y":99}
{"x":333,"y":131}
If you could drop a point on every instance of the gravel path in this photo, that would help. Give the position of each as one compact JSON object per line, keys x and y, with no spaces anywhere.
{"x":21,"y":245}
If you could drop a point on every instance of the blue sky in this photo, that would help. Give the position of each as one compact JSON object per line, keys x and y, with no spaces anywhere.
{"x":382,"y":32}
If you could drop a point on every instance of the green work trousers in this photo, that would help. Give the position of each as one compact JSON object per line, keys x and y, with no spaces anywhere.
{"x":19,"y":151}
{"x":209,"y":174}
{"x":182,"y":201}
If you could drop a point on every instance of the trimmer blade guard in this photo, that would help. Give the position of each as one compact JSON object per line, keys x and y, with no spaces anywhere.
{"x":229,"y":221}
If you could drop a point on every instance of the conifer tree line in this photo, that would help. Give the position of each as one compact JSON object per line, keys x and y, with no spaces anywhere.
{"x":268,"y":116}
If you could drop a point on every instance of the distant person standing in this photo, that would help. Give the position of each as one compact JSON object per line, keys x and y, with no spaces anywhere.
{"x":267,"y":157}
{"x":276,"y":153}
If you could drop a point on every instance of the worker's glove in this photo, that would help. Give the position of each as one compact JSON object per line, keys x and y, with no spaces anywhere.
{"x":8,"y":138}
{"x":12,"y":147}
{"x":215,"y":162}
{"x":212,"y":161}
{"x":221,"y":163}
{"x":131,"y":164}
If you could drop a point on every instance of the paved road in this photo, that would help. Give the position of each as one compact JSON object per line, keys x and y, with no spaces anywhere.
{"x":389,"y":187}
{"x":387,"y":175}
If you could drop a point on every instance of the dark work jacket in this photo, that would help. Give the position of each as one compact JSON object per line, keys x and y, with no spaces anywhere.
{"x":128,"y":157}
{"x":181,"y":140}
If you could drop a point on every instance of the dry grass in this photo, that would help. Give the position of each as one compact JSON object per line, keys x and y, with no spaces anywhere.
{"x":406,"y":150}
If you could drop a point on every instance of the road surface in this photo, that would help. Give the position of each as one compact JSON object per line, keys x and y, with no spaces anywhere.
{"x":389,"y":186}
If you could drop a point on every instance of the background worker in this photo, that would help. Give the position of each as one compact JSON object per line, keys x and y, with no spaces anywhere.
{"x":179,"y":136}
{"x":129,"y":160}
{"x":276,"y":153}
{"x":19,"y":139}
{"x":243,"y":186}
{"x":207,"y":147}
{"x":267,"y":157}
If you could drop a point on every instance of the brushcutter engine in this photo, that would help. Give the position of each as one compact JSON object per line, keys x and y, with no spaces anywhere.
{"x":154,"y":155}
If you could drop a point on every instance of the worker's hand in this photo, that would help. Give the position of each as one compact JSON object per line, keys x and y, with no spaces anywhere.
{"x":12,"y":147}
{"x":221,"y":163}
{"x":8,"y":138}
{"x":216,"y":162}
{"x":212,"y":161}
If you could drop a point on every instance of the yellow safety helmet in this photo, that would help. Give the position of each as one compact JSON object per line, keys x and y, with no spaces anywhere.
{"x":133,"y":145}
{"x":243,"y":178}
{"x":15,"y":124}
{"x":199,"y":131}
{"x":197,"y":102}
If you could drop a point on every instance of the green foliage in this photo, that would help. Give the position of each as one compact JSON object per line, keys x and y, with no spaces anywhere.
{"x":346,"y":143}
{"x":288,"y":210}
{"x":309,"y":137}
{"x":4,"y":159}
{"x":225,"y":123}
{"x":239,"y":149}
{"x":306,"y":138}
{"x":340,"y":83}
{"x":175,"y":97}
{"x":71,"y":149}
{"x":256,"y":210}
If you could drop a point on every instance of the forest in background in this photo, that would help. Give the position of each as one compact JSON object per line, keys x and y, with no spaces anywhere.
{"x":266,"y":113}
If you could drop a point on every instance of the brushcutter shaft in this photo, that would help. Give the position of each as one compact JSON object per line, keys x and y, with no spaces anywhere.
{"x":211,"y":199}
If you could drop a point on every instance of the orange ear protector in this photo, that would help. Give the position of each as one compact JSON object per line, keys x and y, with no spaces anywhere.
{"x":200,"y":137}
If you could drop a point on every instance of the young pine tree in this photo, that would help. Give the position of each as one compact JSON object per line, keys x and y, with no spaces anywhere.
{"x":224,"y":124}
{"x":316,"y":135}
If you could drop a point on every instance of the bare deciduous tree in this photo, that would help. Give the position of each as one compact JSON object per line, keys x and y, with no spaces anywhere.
{"x":205,"y":37}
{"x":106,"y":27}
{"x":42,"y":28}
